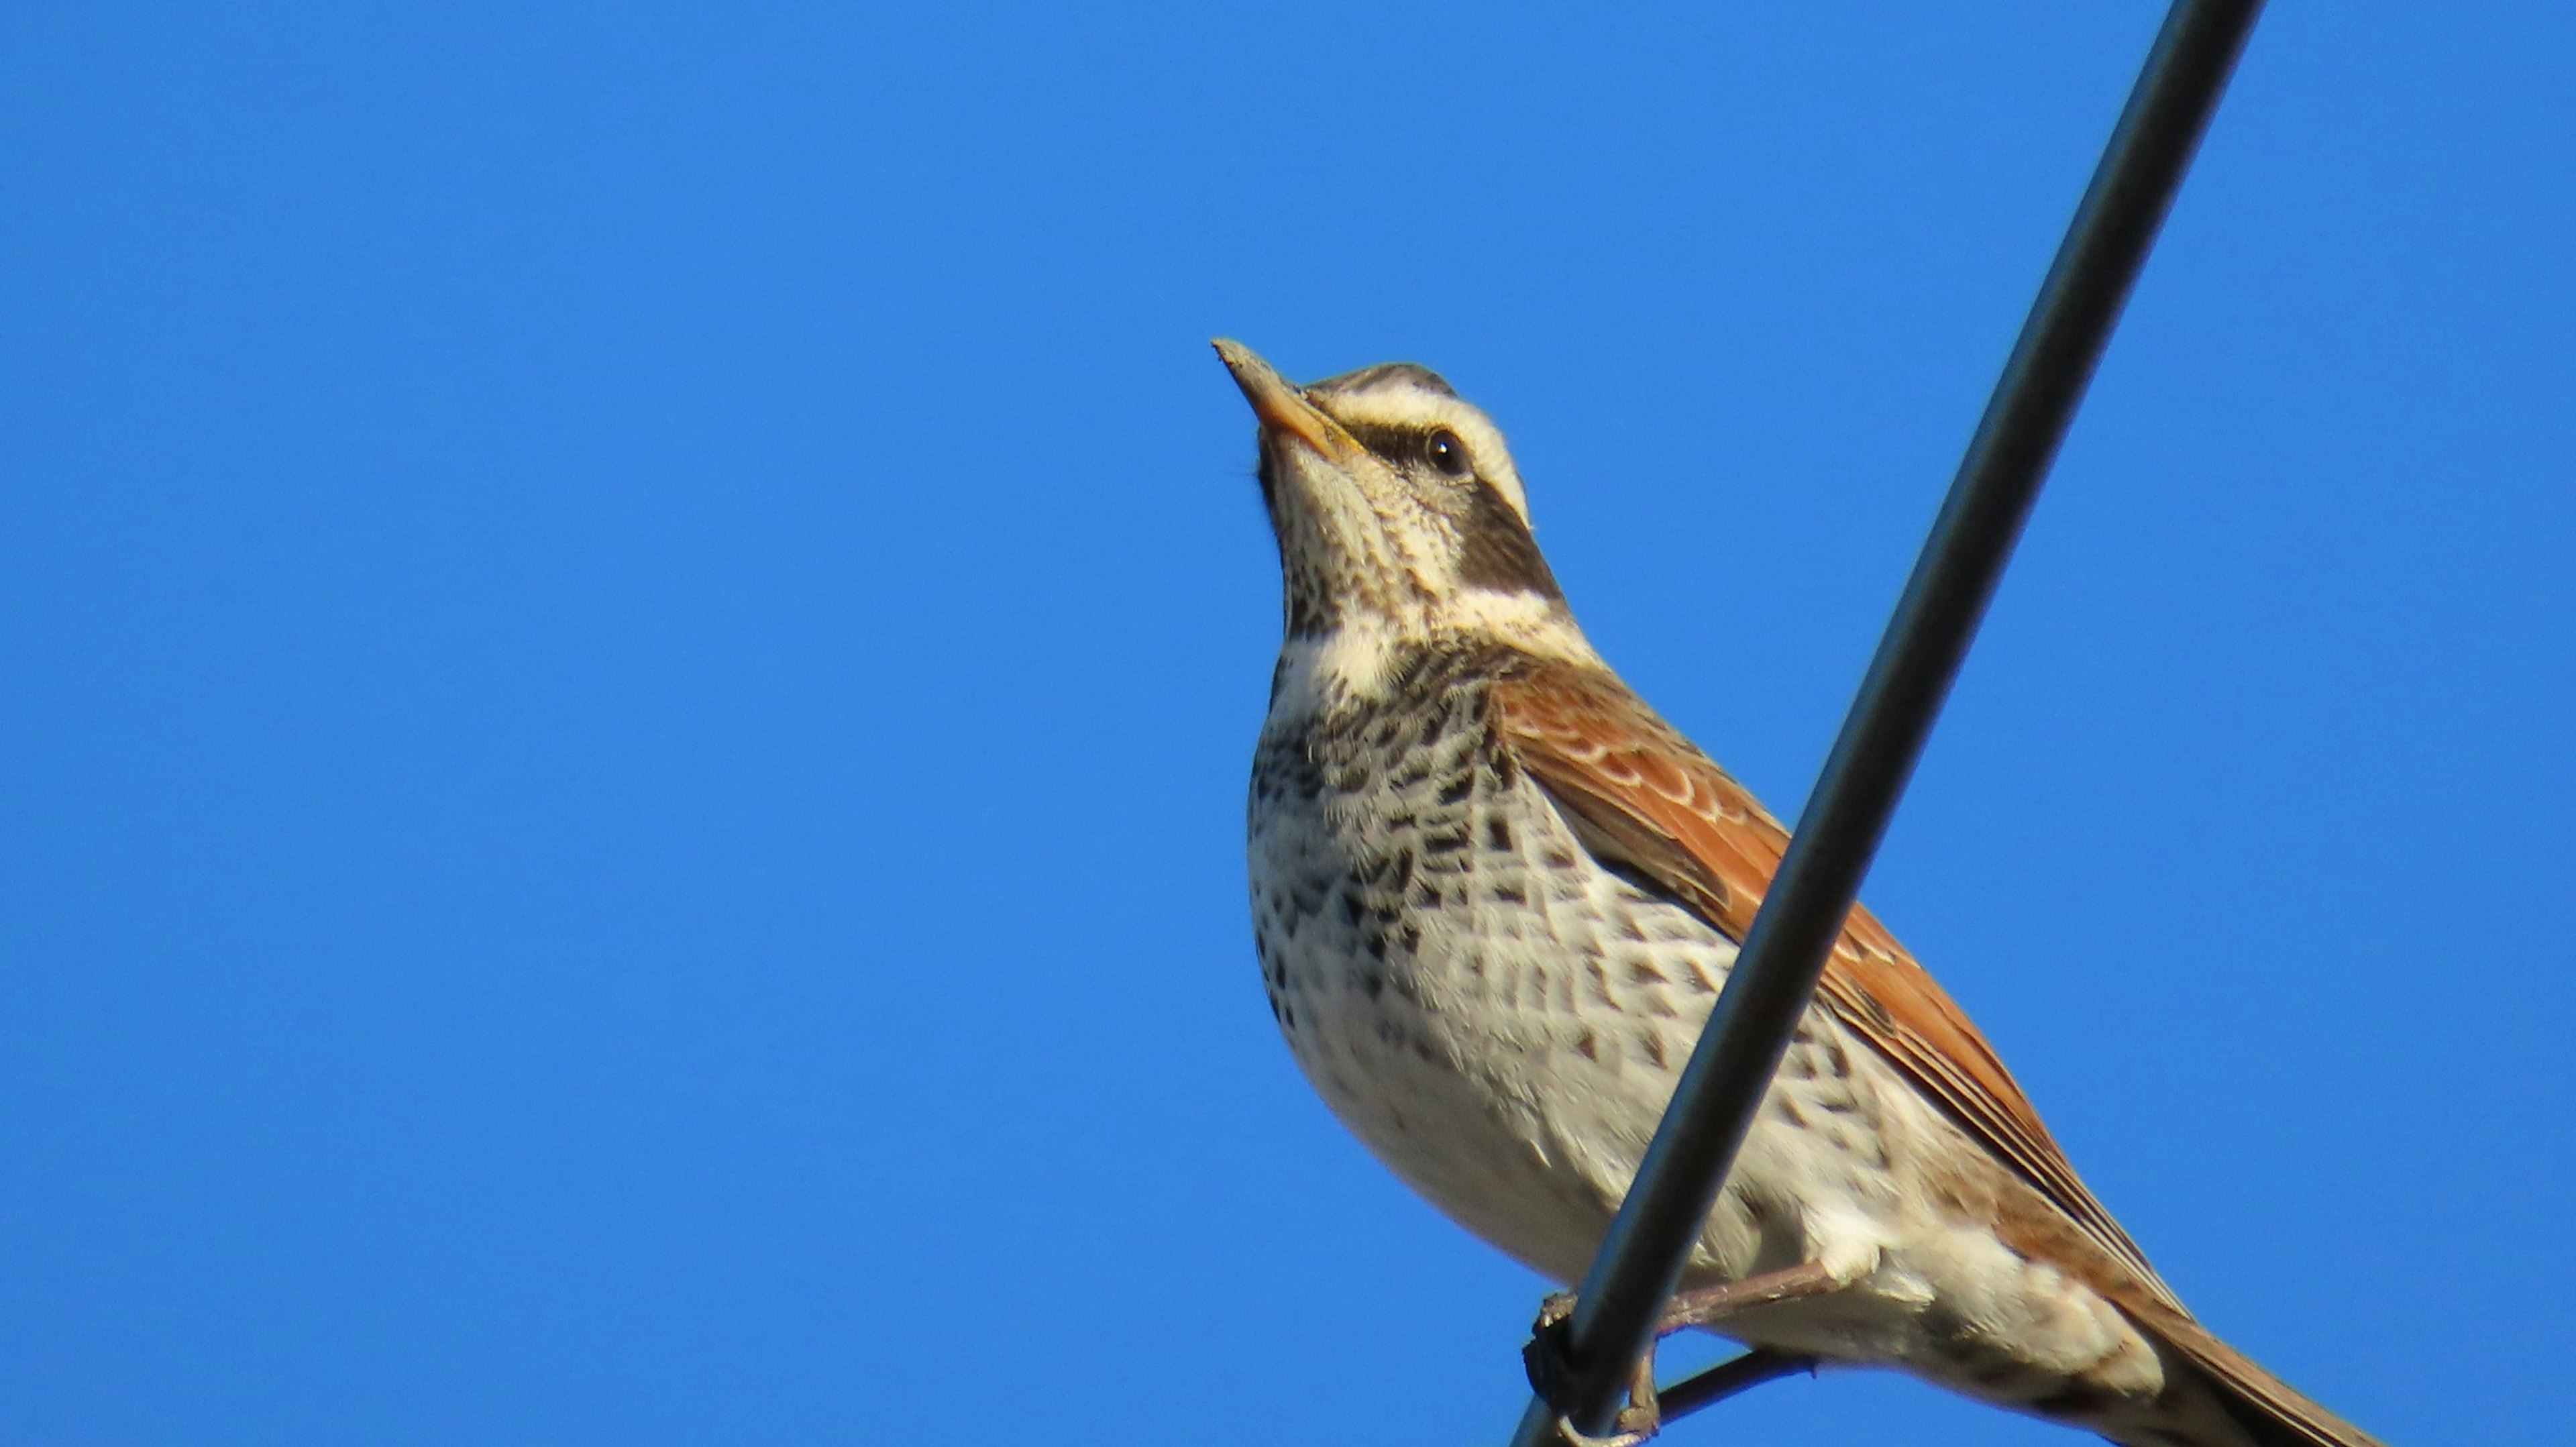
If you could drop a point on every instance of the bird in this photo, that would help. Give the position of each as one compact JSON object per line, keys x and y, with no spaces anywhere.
{"x":1494,"y":895}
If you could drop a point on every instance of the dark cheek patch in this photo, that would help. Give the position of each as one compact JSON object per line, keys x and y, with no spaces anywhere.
{"x":1496,"y":550}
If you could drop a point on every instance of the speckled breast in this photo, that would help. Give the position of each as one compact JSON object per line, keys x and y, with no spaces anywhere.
{"x":1497,"y":1016}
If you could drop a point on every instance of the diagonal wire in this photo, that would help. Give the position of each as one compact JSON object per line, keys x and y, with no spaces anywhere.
{"x":1641,"y":1260}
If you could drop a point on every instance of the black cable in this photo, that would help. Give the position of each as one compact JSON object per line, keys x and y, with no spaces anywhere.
{"x":1640,"y":1262}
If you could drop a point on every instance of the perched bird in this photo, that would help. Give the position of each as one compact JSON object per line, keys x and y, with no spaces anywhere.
{"x":1494,"y":896}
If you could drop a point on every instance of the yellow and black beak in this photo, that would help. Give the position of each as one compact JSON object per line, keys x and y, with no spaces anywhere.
{"x":1283,"y":409}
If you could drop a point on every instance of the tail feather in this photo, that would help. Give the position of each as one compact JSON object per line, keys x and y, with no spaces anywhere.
{"x":2271,"y":1411}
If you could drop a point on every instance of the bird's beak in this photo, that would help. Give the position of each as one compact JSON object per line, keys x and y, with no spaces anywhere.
{"x":1284,"y":410}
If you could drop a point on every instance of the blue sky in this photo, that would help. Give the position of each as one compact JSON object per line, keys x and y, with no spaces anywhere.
{"x":629,"y":638}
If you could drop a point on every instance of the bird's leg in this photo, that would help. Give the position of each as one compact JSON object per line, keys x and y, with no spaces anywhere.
{"x":1649,"y":1408}
{"x":1643,"y":1416}
{"x":1711,"y":1304}
{"x":1550,"y":1375}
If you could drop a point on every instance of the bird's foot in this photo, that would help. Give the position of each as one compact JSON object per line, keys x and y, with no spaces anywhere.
{"x":1551,"y":1374}
{"x":1552,"y":1378}
{"x":1637,"y":1422}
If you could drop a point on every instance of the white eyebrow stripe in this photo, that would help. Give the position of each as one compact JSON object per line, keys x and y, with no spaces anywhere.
{"x":1411,"y":406}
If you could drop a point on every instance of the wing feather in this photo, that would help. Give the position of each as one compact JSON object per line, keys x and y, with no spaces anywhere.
{"x":1642,"y":797}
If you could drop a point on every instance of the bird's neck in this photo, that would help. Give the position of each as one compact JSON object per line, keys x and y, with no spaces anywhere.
{"x":1365,"y":659}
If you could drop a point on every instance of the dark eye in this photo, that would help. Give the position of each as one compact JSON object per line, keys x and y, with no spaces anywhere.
{"x":1448,"y":454}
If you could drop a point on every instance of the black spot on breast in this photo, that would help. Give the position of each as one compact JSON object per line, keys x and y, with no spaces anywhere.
{"x":1498,"y":835}
{"x":1457,"y":789}
{"x":1599,"y":979}
{"x":1311,"y":613}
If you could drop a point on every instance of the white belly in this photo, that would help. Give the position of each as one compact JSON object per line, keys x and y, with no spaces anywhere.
{"x":1502,"y":1021}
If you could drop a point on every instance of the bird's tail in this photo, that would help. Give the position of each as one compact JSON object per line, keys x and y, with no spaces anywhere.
{"x":2268,"y":1411}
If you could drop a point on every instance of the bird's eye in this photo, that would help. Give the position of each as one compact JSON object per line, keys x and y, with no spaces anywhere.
{"x":1448,"y":454}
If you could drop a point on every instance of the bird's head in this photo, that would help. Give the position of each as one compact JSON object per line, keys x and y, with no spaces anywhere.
{"x":1399,"y":515}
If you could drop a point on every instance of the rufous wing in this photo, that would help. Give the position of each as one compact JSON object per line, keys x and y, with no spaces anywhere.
{"x":1640,"y":795}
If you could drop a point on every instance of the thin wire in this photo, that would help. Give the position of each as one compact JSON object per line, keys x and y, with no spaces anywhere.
{"x":1641,"y":1260}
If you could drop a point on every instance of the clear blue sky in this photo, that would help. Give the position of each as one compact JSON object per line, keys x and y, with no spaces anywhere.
{"x":629,"y":639}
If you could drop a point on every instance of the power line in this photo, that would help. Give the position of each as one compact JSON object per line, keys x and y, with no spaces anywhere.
{"x":1640,"y":1262}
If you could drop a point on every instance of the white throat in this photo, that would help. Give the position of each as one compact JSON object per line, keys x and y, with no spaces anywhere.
{"x":1354,"y":665}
